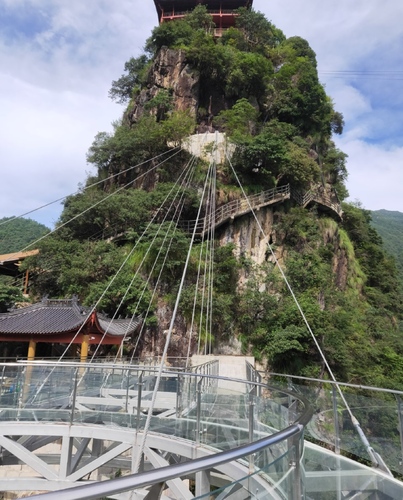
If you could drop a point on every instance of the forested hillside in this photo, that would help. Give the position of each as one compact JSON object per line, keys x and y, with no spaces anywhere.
{"x":263,"y":91}
{"x":389,"y":225}
{"x":19,"y":233}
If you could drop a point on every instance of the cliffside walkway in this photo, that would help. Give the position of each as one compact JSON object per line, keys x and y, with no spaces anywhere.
{"x":321,"y":197}
{"x":242,"y":206}
{"x":237,"y":208}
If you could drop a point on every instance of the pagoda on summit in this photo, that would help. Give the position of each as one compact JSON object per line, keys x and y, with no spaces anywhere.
{"x":222,"y":11}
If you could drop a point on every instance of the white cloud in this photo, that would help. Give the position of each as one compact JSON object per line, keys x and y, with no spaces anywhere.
{"x":375,"y":174}
{"x":53,"y":95}
{"x":354,"y":103}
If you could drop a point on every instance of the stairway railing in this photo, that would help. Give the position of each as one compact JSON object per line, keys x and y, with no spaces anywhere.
{"x":320,"y":196}
{"x":236,"y":208}
{"x":242,"y":206}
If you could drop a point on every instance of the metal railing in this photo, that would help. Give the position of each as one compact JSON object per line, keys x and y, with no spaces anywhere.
{"x":236,"y":208}
{"x":331,"y":424}
{"x":242,"y":206}
{"x":164,"y":474}
{"x":234,"y":427}
{"x":320,"y":196}
{"x":231,"y":424}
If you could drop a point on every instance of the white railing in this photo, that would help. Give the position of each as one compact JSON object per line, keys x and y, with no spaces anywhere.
{"x":236,"y":208}
{"x":320,"y":196}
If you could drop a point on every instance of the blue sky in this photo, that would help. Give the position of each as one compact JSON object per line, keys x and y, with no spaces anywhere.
{"x":58,"y":58}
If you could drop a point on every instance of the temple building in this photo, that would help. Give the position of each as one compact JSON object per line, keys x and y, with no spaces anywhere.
{"x":222,"y":11}
{"x":63,"y":322}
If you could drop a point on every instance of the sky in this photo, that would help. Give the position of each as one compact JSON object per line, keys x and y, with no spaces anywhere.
{"x":59,"y":57}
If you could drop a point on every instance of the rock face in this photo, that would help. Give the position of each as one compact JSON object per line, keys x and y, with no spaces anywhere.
{"x":246,"y":235}
{"x":170,"y":72}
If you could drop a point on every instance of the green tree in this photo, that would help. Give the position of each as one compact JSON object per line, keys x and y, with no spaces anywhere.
{"x":300,"y":48}
{"x":111,"y":216}
{"x":248,"y":75}
{"x":258,"y":32}
{"x":297,"y":97}
{"x":174,"y":34}
{"x":9,"y":294}
{"x":161,"y":103}
{"x":178,"y":126}
{"x":240,"y":121}
{"x":275,"y":155}
{"x":136,"y":72}
{"x":126,"y":147}
{"x":200,"y":19}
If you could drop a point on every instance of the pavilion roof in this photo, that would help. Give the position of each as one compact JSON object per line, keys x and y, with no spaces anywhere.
{"x":10,"y":262}
{"x":17,"y":256}
{"x":51,"y":317}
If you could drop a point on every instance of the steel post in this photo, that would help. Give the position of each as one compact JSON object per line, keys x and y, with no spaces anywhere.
{"x":295,"y":479}
{"x":179,"y":394}
{"x":251,"y":424}
{"x":127,"y":390}
{"x":336,"y":421}
{"x":400,"y":415}
{"x":74,"y":396}
{"x":139,"y":396}
{"x":198,"y":411}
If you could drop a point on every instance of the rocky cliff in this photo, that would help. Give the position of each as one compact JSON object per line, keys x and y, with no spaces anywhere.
{"x":172,"y":73}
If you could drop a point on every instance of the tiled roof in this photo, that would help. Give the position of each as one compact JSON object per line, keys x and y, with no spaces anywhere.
{"x":51,"y":317}
{"x":119,"y":327}
{"x":44,"y":318}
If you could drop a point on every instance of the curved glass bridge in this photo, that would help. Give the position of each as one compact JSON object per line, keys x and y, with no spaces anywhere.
{"x":79,"y":430}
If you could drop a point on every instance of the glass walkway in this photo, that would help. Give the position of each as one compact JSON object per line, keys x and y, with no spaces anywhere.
{"x":79,"y":430}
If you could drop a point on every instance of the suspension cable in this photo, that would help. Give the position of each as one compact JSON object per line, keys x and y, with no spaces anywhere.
{"x":168,"y":340}
{"x":91,"y":207}
{"x":322,"y":354}
{"x":85,"y":188}
{"x":126,"y":260}
{"x":186,"y":173}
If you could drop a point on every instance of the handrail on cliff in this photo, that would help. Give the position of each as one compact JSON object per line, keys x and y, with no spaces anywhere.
{"x":236,"y":208}
{"x":319,"y":196}
{"x":242,"y":206}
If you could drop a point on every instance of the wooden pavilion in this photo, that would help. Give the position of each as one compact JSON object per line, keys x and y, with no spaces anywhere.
{"x":10,"y":265}
{"x":222,"y":11}
{"x":63,"y":322}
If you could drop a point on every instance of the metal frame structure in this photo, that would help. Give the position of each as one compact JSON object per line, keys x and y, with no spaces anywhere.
{"x":75,"y":428}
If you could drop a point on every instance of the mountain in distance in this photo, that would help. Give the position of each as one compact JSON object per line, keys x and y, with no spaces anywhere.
{"x":17,"y":234}
{"x":389,"y":225}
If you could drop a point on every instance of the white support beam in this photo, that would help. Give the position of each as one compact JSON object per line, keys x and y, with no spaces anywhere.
{"x":177,"y":486}
{"x":34,"y":484}
{"x":65,"y":458}
{"x":202,"y":483}
{"x":99,"y":462}
{"x":81,"y":446}
{"x":28,"y":458}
